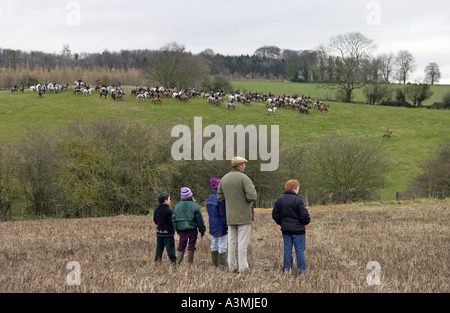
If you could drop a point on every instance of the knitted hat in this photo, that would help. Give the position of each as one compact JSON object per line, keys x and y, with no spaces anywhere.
{"x":214,"y":182}
{"x":186,"y":193}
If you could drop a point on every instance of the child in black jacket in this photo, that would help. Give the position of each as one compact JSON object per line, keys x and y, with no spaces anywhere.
{"x":291,"y":214}
{"x":164,"y":230}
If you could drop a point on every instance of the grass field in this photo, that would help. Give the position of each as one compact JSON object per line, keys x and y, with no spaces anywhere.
{"x":416,"y":132}
{"x":116,"y":254}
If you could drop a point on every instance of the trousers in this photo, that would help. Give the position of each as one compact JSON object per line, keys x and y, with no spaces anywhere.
{"x":298,"y":241}
{"x":185,"y":236}
{"x":219,"y":243}
{"x":238,"y":235}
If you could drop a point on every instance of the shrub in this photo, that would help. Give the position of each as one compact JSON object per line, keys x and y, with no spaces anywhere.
{"x":38,"y":163}
{"x":418,"y":93}
{"x":446,"y":99}
{"x":113,"y":167}
{"x":434,"y":182}
{"x":344,"y":168}
{"x":9,"y":187}
{"x":400,"y":96}
{"x":375,"y":93}
{"x":221,"y":83}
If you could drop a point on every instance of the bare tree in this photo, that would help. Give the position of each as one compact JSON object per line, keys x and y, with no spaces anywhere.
{"x":405,"y":65}
{"x":432,"y":73}
{"x":386,"y":65}
{"x":173,"y":66}
{"x":352,"y":51}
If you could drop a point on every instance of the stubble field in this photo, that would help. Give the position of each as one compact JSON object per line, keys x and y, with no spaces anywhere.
{"x":409,"y":241}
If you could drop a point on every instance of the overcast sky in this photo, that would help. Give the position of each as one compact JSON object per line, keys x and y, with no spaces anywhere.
{"x":229,"y":27}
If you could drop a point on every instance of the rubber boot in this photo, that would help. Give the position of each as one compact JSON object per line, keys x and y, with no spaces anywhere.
{"x":180,"y":256}
{"x":223,"y":259}
{"x":215,"y":258}
{"x":191,"y":256}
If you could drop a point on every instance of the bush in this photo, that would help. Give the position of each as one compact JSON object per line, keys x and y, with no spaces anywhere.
{"x":400,"y":96}
{"x":376,"y":93}
{"x":37,"y":166}
{"x":343,"y":168}
{"x":434,"y":182}
{"x":446,"y":99}
{"x":418,"y":93}
{"x":221,"y":83}
{"x":111,"y":167}
{"x":9,"y":186}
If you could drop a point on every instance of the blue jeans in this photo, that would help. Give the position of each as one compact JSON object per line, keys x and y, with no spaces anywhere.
{"x":298,"y":241}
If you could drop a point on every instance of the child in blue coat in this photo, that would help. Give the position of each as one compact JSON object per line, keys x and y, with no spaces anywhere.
{"x":218,"y":228}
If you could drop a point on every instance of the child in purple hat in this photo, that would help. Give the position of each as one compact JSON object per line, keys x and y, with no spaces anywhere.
{"x":186,"y":219}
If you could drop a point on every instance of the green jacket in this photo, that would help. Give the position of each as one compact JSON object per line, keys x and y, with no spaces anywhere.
{"x":238,"y":191}
{"x":187,"y":215}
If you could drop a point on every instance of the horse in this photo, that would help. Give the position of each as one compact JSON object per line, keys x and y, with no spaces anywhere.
{"x":118,"y":96}
{"x":103,"y":92}
{"x":183,"y":97}
{"x":272,"y":110}
{"x":231,"y":104}
{"x":142,"y":96}
{"x":157,"y":99}
{"x":302,"y":109}
{"x":387,"y":134}
{"x":324,"y":108}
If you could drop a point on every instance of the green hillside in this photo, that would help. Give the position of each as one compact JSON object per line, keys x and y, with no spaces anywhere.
{"x":416,"y":132}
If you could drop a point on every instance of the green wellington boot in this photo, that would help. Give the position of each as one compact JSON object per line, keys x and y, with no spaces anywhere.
{"x":222,"y":259}
{"x":215,"y":257}
{"x":180,"y":256}
{"x":191,"y":256}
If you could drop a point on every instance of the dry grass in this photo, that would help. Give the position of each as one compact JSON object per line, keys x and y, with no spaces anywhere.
{"x":410,"y":241}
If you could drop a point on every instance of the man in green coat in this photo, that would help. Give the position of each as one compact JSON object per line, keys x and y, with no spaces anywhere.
{"x":238,"y":191}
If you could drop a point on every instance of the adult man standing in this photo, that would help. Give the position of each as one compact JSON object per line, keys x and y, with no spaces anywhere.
{"x":238,"y":191}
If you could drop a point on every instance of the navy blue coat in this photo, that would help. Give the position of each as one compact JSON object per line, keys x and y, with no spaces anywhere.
{"x":217,"y":215}
{"x":291,"y":214}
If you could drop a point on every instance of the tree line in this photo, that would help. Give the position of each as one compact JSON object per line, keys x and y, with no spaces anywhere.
{"x":351,"y":51}
{"x":347,"y":62}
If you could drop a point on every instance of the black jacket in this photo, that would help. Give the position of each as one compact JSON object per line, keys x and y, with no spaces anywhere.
{"x":290,"y":212}
{"x":163,"y":219}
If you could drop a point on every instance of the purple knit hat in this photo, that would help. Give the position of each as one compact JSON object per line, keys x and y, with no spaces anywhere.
{"x":214,"y":182}
{"x":186,"y":193}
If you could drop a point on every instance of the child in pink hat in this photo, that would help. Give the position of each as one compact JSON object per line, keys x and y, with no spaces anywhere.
{"x":186,"y":219}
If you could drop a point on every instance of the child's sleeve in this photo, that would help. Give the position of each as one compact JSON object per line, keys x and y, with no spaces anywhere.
{"x":174,"y":220}
{"x":200,"y":222}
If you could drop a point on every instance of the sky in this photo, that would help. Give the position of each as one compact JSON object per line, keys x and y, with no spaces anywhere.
{"x":228,"y":27}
